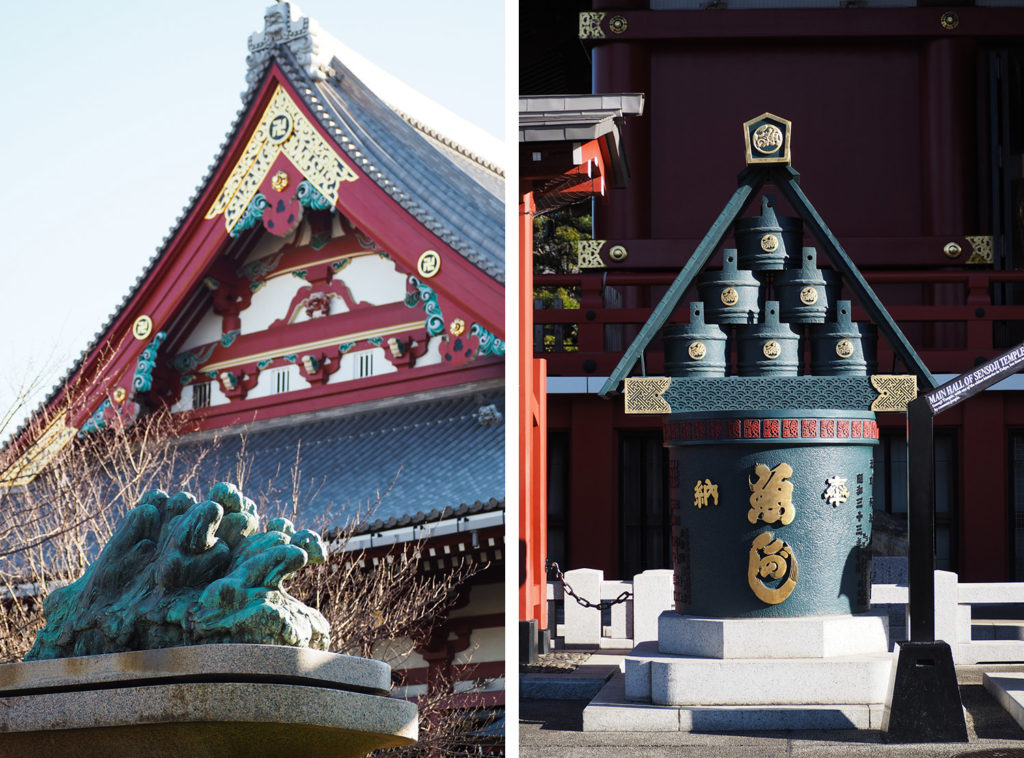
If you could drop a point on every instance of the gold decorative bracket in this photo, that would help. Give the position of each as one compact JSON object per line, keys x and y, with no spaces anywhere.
{"x":282,"y":129}
{"x":895,"y":391}
{"x":644,"y":394}
{"x":588,"y":253}
{"x":590,"y":25}
{"x":981,"y":250}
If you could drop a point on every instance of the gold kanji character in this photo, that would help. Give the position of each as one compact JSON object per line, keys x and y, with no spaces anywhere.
{"x":771,"y":498}
{"x":771,"y":560}
{"x":703,"y":492}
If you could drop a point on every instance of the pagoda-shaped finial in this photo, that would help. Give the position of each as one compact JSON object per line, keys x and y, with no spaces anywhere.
{"x":284,"y":24}
{"x":767,"y":139}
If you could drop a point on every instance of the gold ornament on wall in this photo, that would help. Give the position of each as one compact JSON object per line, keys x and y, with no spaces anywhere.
{"x":142,"y":327}
{"x":457,"y":327}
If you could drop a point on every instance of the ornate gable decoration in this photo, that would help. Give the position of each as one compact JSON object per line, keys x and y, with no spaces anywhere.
{"x":284,"y":24}
{"x":282,"y":131}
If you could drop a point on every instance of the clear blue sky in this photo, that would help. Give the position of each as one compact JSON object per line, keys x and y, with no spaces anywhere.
{"x":114,"y":110}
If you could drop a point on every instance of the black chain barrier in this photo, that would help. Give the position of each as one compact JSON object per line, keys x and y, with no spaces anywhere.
{"x":601,"y":606}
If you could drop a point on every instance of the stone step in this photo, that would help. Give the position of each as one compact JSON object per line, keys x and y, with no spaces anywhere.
{"x":610,"y":711}
{"x":800,"y":637}
{"x":654,"y":677}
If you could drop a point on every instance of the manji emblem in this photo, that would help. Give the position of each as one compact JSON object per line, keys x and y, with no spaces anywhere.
{"x":730,"y":296}
{"x":771,"y":496}
{"x":429,"y":264}
{"x":142,"y":327}
{"x":704,"y":492}
{"x":771,"y":559}
{"x":697,"y":350}
{"x":836,"y":492}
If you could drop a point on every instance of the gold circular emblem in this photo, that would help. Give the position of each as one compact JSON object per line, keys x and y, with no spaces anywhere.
{"x":772,"y":350}
{"x":808,"y":296}
{"x":617,"y":253}
{"x":952,"y":250}
{"x":769,"y":243}
{"x":844,"y":348}
{"x":730,"y":296}
{"x":458,"y":326}
{"x":949,"y":21}
{"x":280,"y":181}
{"x":429,"y":264}
{"x":767,"y":139}
{"x":618,"y":24}
{"x":120,"y":394}
{"x":697,"y":350}
{"x":142,"y":327}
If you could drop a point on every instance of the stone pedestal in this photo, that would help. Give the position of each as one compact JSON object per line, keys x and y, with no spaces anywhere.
{"x":705,"y":674}
{"x":208,"y":700}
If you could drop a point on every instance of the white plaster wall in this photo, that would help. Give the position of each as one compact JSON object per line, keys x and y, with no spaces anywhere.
{"x":206,"y":331}
{"x":185,"y":403}
{"x":485,"y":646}
{"x":372,"y":279}
{"x":267,"y":382}
{"x":349,"y":369}
{"x":271,"y":302}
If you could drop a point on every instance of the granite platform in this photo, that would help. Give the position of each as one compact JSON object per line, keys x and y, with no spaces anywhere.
{"x":208,"y":700}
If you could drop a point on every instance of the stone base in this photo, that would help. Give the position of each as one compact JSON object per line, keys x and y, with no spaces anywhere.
{"x":703,"y":674}
{"x":209,"y":700}
{"x":654,"y":677}
{"x":610,"y":711}
{"x":803,"y":637}
{"x":1007,"y":687}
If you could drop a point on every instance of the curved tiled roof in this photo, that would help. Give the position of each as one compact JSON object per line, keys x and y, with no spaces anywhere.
{"x":411,"y":463}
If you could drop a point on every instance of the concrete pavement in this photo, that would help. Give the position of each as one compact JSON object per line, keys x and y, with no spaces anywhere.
{"x":554,"y":727}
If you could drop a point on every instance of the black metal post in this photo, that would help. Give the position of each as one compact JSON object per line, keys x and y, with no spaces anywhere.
{"x":921,"y":519}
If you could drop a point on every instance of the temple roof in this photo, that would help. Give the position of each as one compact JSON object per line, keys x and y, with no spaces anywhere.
{"x":443,"y":455}
{"x":435,"y":166}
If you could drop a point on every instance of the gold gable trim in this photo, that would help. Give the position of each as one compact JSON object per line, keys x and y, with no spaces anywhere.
{"x":282,"y":129}
{"x":31,"y":463}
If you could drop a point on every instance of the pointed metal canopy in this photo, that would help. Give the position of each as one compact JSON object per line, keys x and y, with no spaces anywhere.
{"x":787,"y":180}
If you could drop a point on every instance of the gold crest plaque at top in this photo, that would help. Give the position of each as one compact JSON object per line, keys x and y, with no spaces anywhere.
{"x":767,"y":139}
{"x":282,"y":129}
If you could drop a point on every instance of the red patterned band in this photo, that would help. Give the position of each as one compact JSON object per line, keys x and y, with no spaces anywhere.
{"x":770,"y":428}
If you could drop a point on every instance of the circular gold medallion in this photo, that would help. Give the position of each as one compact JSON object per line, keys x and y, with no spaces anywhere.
{"x":120,"y":394}
{"x":772,"y":350}
{"x":280,"y":181}
{"x":142,"y":327}
{"x":618,"y":24}
{"x":730,"y":296}
{"x":949,"y":21}
{"x":617,"y":253}
{"x":429,"y":264}
{"x":697,"y":350}
{"x":952,"y":250}
{"x":458,"y":326}
{"x":767,"y":139}
{"x":844,"y":348}
{"x":769,"y":243}
{"x":808,"y":296}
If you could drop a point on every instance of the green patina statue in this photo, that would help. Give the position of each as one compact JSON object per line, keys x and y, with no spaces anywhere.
{"x":180,"y":572}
